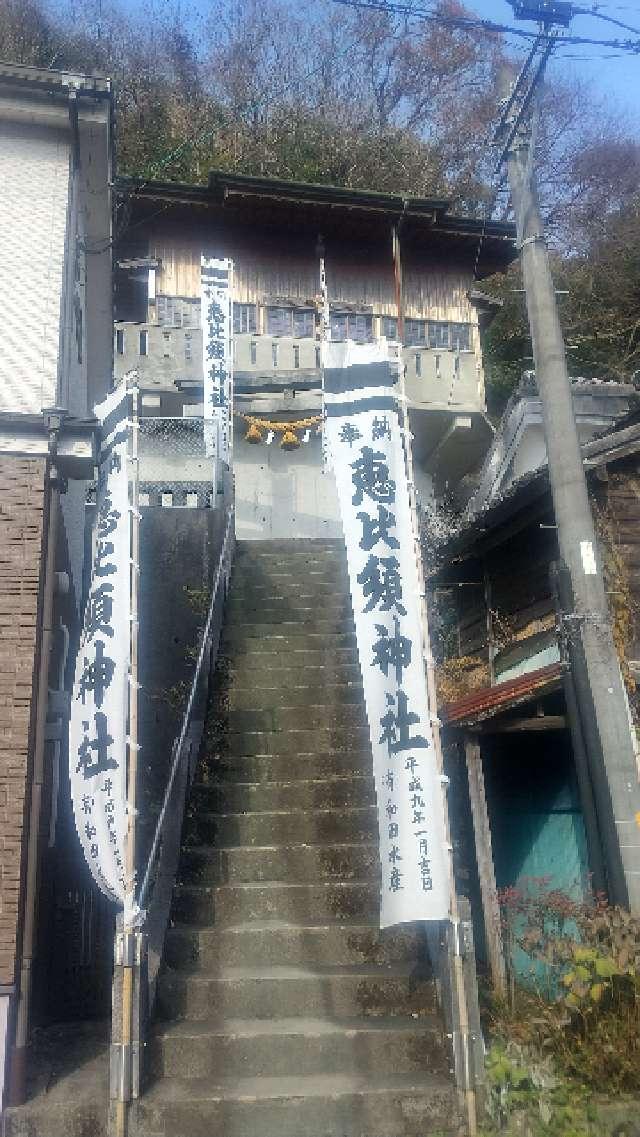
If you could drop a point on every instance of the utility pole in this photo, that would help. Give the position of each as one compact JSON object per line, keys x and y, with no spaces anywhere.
{"x":601,"y":696}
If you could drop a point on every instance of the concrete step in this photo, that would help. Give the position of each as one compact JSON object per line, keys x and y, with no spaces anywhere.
{"x":322,"y":740}
{"x":291,"y":636}
{"x":272,"y":992}
{"x":249,"y":797}
{"x":330,"y":660}
{"x":283,"y":580}
{"x":317,"y":827}
{"x":306,"y":592}
{"x":299,"y":559}
{"x":269,"y":675}
{"x":294,"y":767}
{"x":282,"y":719}
{"x":261,"y":943}
{"x":330,"y":1105}
{"x":296,"y":864}
{"x":271,"y":1048}
{"x":279,"y":546}
{"x":303,"y":694}
{"x":240,"y":609}
{"x":275,"y":900}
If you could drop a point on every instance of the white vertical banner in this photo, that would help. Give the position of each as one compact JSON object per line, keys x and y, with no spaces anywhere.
{"x":100,"y":699}
{"x":217,"y":353}
{"x":366,"y":452}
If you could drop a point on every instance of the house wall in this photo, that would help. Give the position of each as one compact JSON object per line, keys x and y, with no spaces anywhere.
{"x":518,"y":572}
{"x":22,"y":490}
{"x":34,"y":174}
{"x":268,"y":268}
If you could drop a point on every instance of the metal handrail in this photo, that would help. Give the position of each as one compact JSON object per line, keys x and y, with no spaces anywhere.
{"x":178,"y":745}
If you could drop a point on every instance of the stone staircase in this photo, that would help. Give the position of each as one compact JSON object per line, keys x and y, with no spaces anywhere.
{"x":282,"y":1010}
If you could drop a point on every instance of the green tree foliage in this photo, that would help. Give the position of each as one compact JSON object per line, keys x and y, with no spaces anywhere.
{"x":599,"y":299}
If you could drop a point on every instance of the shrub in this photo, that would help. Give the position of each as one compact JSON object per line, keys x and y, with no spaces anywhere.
{"x":581,"y":1004}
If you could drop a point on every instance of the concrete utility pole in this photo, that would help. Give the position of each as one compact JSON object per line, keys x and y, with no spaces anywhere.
{"x":613,"y":763}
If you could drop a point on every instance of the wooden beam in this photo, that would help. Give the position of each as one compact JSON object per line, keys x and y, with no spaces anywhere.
{"x":484,"y":856}
{"x":518,"y":726}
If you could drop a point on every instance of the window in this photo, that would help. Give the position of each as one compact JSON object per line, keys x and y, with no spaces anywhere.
{"x":274,"y":354}
{"x":144,"y":343}
{"x":390,"y":327}
{"x":415,"y":332}
{"x":188,"y":347}
{"x":166,"y":344}
{"x":418,"y":364}
{"x":356,"y":326}
{"x":120,"y":341}
{"x":304,"y":323}
{"x":244,"y":319}
{"x":317,"y":357}
{"x":279,"y":321}
{"x":461,"y":337}
{"x":298,"y":322}
{"x":438,"y":334}
{"x":178,"y":312}
{"x":296,"y":355}
{"x":254,"y":352}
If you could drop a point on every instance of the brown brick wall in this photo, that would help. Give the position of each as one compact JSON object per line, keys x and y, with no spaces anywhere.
{"x":21,"y":528}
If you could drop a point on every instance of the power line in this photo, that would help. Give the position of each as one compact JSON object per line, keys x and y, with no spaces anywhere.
{"x":602,"y":16}
{"x":471,"y":24}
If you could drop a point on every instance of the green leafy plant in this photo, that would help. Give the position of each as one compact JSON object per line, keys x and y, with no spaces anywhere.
{"x":581,"y":1004}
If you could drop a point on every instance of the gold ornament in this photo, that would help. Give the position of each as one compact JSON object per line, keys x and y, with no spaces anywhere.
{"x":290,"y":440}
{"x":286,"y":430}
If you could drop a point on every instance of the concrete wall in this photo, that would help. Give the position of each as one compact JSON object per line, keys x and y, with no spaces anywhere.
{"x":34,"y":174}
{"x":282,"y":493}
{"x":179,"y":550}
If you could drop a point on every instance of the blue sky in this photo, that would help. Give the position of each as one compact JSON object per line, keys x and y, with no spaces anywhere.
{"x":617,"y":79}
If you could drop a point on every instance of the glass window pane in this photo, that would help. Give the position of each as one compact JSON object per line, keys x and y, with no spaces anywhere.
{"x":244,"y":318}
{"x":438,"y":334}
{"x":279,"y":321}
{"x":361,"y":327}
{"x":390,"y":327}
{"x":338,"y":321}
{"x":414,"y":331}
{"x":303,"y":323}
{"x":461,"y":337}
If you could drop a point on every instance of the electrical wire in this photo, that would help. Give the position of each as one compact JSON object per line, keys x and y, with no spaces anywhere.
{"x":472,"y":24}
{"x":602,"y":16}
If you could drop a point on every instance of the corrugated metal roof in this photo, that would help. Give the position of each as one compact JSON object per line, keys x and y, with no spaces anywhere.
{"x":489,"y":701}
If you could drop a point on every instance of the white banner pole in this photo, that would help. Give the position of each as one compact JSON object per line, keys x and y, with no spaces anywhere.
{"x":132,"y":739}
{"x":407,"y":438}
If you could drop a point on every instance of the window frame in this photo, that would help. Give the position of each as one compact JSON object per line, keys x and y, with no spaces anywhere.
{"x":411,"y":327}
{"x":244,"y":319}
{"x":350,"y":320}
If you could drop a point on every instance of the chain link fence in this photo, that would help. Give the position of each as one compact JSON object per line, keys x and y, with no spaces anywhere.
{"x":177,"y":465}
